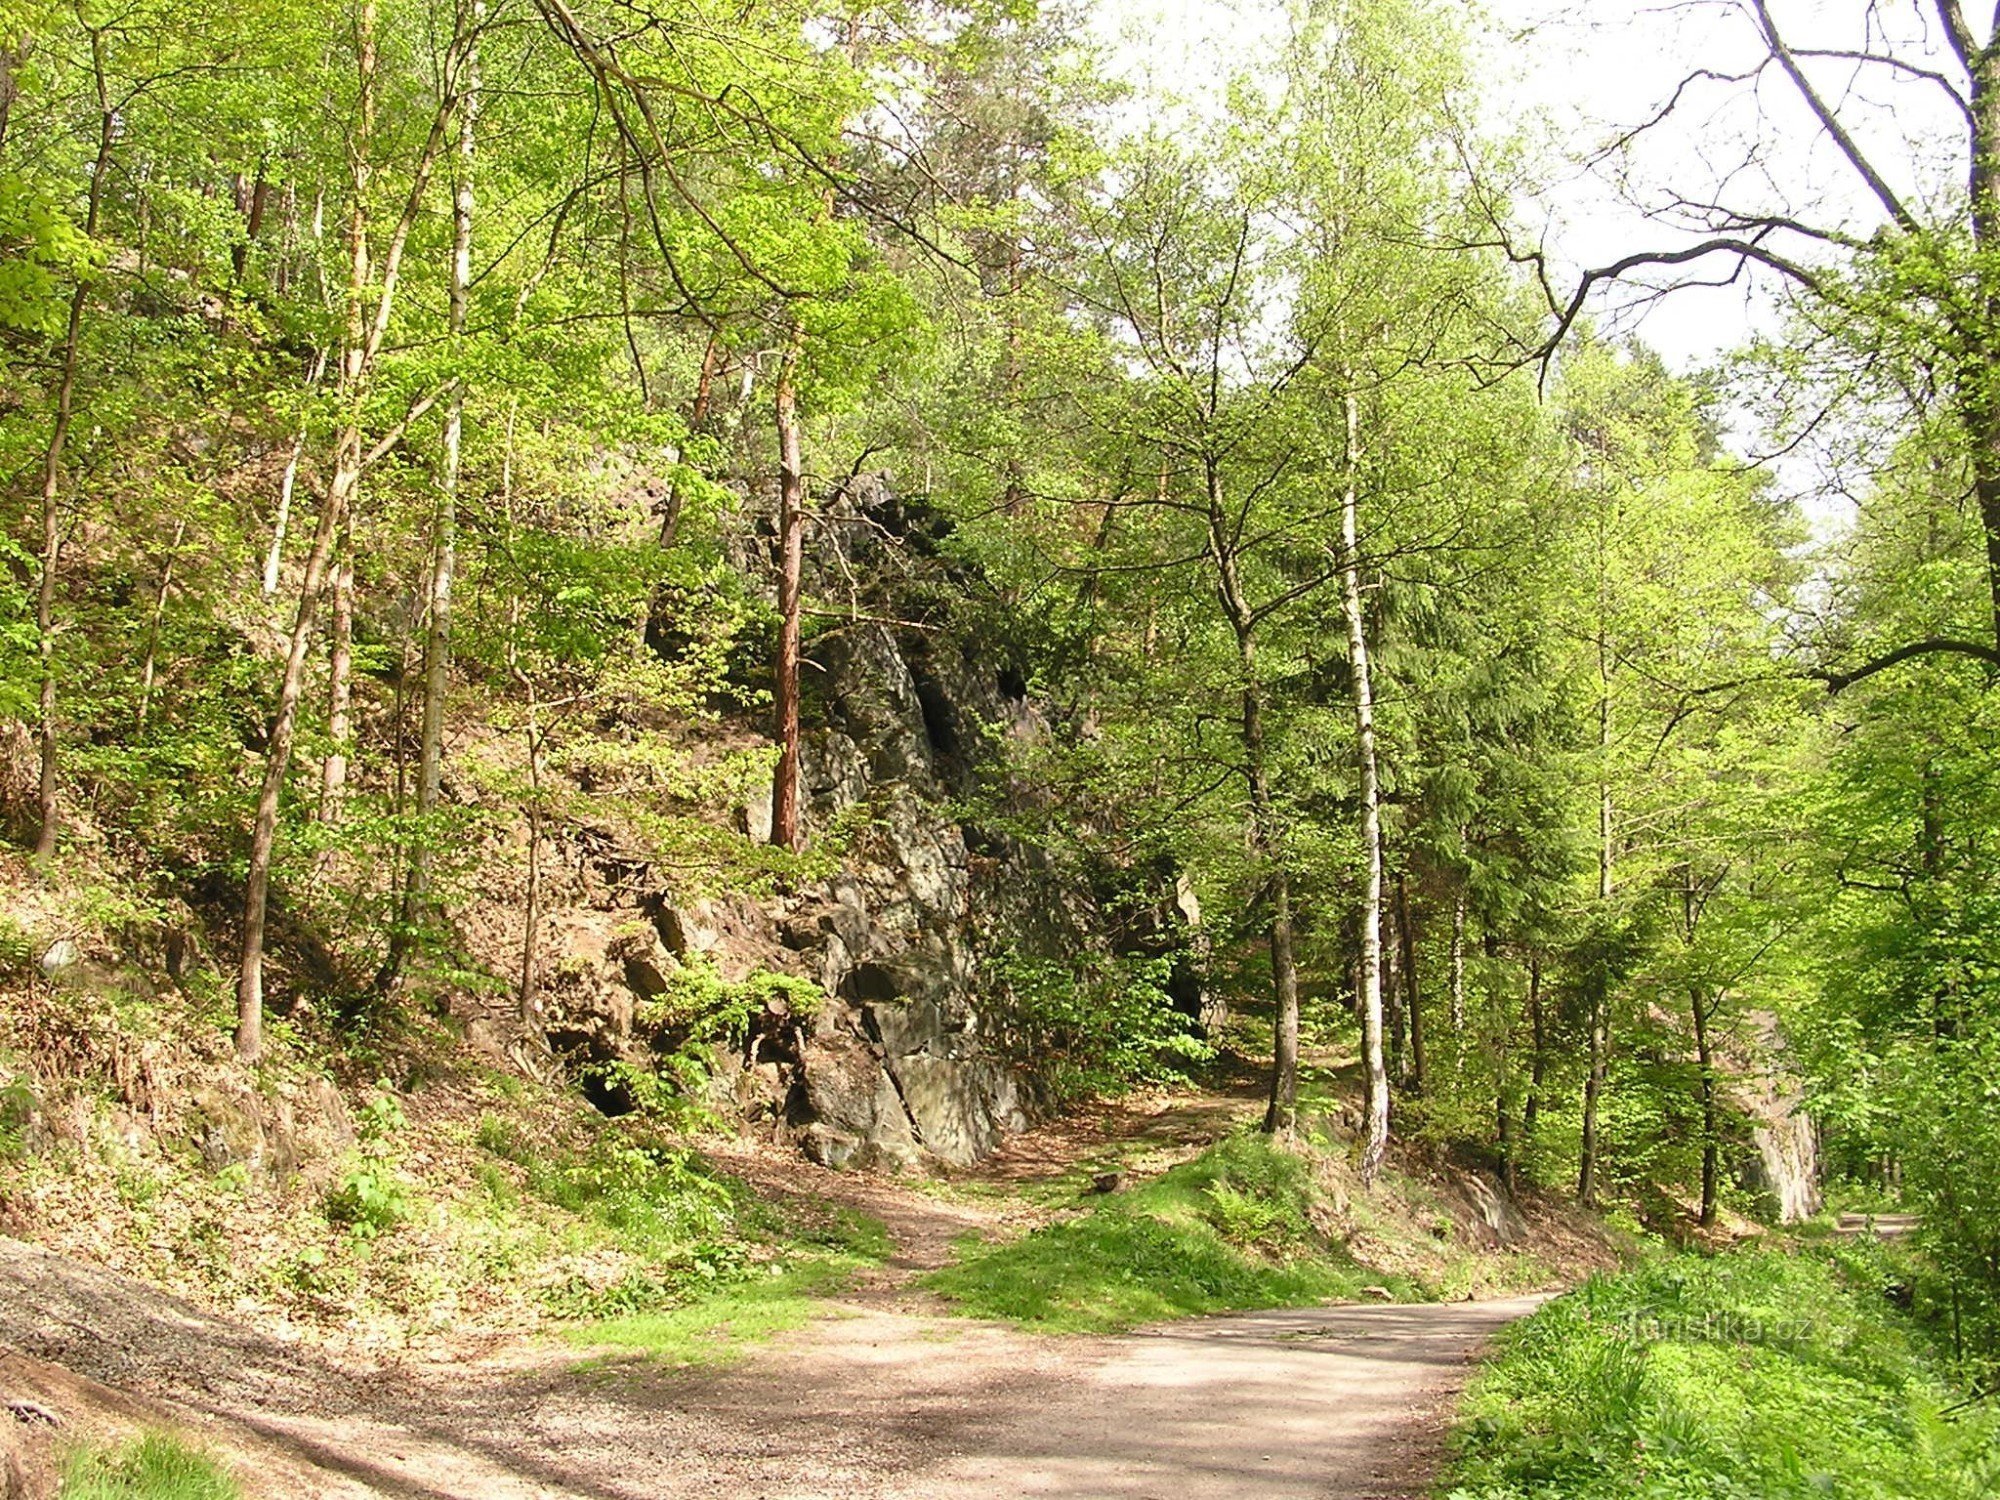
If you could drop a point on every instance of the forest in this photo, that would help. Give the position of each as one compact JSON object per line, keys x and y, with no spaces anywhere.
{"x":500,"y":493}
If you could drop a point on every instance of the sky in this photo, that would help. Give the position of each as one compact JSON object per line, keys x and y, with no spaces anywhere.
{"x":1571,"y":74}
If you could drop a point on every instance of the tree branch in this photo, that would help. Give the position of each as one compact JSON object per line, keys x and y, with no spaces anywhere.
{"x":1750,"y":249}
{"x":1963,"y":44}
{"x":1905,"y":220}
{"x":1935,"y":646}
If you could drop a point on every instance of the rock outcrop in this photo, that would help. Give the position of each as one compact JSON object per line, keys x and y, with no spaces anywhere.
{"x":1784,"y":1168}
{"x":907,"y":1054}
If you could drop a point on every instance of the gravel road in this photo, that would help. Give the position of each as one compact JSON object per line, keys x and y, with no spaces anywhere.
{"x":876,"y":1401}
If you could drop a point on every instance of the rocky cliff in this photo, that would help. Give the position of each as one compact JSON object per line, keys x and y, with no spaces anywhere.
{"x":904,"y":1050}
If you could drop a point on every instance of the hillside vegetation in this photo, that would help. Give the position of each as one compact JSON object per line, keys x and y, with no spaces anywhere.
{"x":1759,"y":1373}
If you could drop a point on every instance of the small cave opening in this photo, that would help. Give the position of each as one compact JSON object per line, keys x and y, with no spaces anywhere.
{"x":609,"y":1095}
{"x":798,"y":1105}
{"x":1012,"y":683}
{"x":870,"y":983}
{"x":940,"y":718}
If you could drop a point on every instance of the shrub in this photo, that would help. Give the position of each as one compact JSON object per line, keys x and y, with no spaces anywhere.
{"x":369,"y":1200}
{"x":1097,"y":1024}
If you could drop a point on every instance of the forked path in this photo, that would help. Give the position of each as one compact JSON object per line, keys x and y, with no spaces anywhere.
{"x":886,"y":1398}
{"x":872,"y":1403}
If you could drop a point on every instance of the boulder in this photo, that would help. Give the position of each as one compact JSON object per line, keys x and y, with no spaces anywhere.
{"x":643,"y":962}
{"x":962,"y":1107}
{"x":855,"y":1116}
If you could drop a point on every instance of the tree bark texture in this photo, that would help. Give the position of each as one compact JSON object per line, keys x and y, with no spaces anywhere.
{"x":785,"y":830}
{"x":1376,"y":1146}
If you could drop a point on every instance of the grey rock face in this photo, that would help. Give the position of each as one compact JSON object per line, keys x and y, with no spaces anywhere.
{"x":901,"y":1061}
{"x":904,"y":1058}
{"x":1784,"y":1164}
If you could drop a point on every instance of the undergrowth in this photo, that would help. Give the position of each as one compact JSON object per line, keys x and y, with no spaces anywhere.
{"x":1756,"y":1375}
{"x":1244,"y":1225}
{"x":463,"y":1200}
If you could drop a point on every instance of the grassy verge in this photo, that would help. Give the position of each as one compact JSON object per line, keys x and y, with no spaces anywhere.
{"x":720,"y":1327}
{"x":1758,"y":1375}
{"x":1243,"y":1225}
{"x":156,"y":1467}
{"x":718,"y":1324}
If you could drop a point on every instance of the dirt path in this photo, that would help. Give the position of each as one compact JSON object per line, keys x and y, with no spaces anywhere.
{"x":1333,"y":1403}
{"x":885,"y":1398}
{"x":872,"y":1403}
{"x":1008,"y":1192}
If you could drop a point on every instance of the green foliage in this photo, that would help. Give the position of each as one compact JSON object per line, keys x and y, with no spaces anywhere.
{"x":701,"y":1006}
{"x":155,"y":1467}
{"x":1760,"y":1373}
{"x":1232,"y":1229}
{"x":372,"y":1197}
{"x":1097,"y":1023}
{"x":368,"y":1200}
{"x":1098,"y":367}
{"x":17,"y":1108}
{"x":17,"y":950}
{"x":659,"y":1199}
{"x":694,"y":1015}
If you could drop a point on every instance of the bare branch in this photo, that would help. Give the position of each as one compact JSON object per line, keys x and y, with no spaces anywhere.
{"x":1830,"y":121}
{"x":1745,"y":250}
{"x":1896,"y":64}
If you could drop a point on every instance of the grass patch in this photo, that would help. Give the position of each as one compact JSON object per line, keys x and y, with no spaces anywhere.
{"x":720,"y":1328}
{"x":1241,"y":1226}
{"x":156,"y":1467}
{"x":771,"y":1278}
{"x":1753,"y":1374}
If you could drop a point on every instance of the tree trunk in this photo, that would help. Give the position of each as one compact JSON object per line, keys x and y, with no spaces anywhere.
{"x":1979,"y":400}
{"x":149,"y":669}
{"x":1710,"y":1147}
{"x":1281,"y":1113}
{"x":339,"y":681}
{"x":1538,"y":1063}
{"x":275,"y":557}
{"x":53,"y":472}
{"x":444,"y":523}
{"x":345,"y":479}
{"x":10,"y":61}
{"x":251,"y":200}
{"x":1593,"y":1087}
{"x":287,"y":485}
{"x":278,"y":753}
{"x":1377,"y":1076}
{"x":1413,"y":999}
{"x":529,"y":1007}
{"x":1502,"y":1096}
{"x":1392,"y":1000}
{"x":791,"y":566}
{"x":1458,"y":901}
{"x":1599,"y":982}
{"x":1266,"y":837}
{"x":527,"y":1003}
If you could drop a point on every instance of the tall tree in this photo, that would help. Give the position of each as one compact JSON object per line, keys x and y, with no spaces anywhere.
{"x":369,"y":310}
